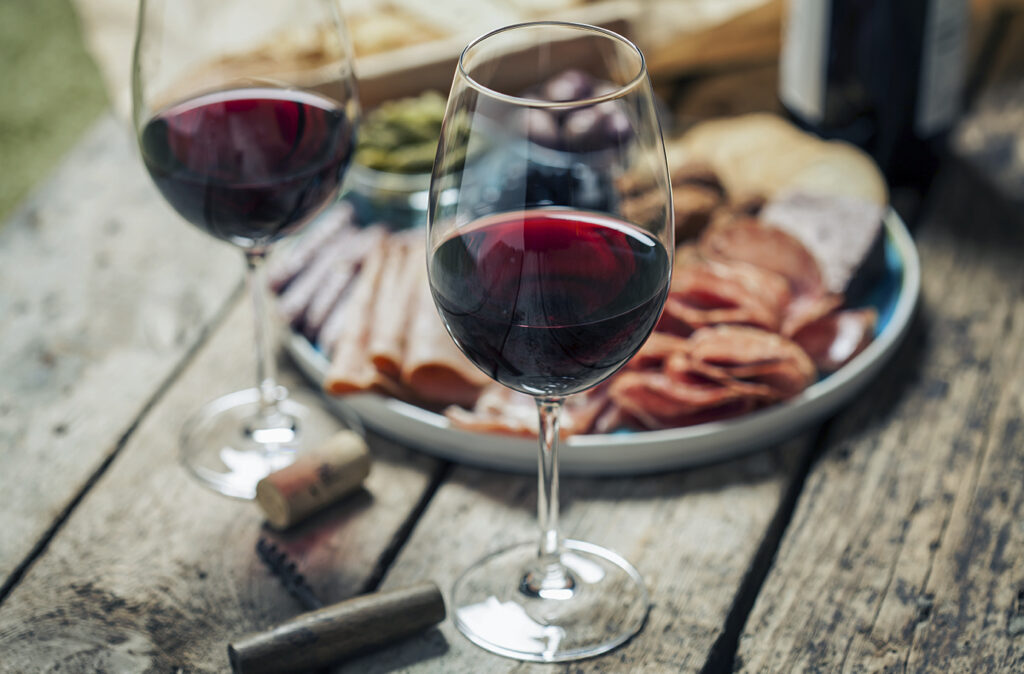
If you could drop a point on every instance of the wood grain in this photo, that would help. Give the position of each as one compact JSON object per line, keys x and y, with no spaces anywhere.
{"x":105,"y":290}
{"x":153,"y":572}
{"x":905,"y":550}
{"x":693,"y":536}
{"x":751,"y":37}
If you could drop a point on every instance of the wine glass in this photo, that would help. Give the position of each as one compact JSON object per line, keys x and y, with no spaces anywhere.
{"x":549,"y":278}
{"x":245,"y":114}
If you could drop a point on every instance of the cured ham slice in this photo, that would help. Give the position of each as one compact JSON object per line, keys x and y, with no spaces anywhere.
{"x":654,"y":400}
{"x":392,"y":304}
{"x":752,"y":356}
{"x":357,"y":243}
{"x":807,"y":309}
{"x":338,"y":221}
{"x":768,"y":248}
{"x":501,"y":410}
{"x":498,"y":410}
{"x":833,"y":340}
{"x":346,"y":333}
{"x":433,"y":368}
{"x":316,"y":289}
{"x":655,"y":351}
{"x":705,"y":292}
{"x":296,"y":298}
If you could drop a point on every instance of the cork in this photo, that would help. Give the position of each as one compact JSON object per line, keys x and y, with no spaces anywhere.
{"x":316,"y":479}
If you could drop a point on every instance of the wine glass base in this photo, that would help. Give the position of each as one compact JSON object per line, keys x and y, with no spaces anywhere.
{"x":608,"y":605}
{"x":229,"y":453}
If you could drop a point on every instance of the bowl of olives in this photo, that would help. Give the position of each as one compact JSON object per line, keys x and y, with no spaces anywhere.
{"x":389,"y":180}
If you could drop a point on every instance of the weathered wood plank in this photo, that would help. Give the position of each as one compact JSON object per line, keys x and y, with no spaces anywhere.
{"x":104,"y":291}
{"x":691,"y":534}
{"x":153,"y":572}
{"x":905,"y":550}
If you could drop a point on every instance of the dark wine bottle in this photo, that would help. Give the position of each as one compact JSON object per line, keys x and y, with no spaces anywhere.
{"x":886,"y":75}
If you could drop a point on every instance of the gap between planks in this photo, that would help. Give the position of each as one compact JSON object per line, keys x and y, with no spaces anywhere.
{"x":44,"y":541}
{"x":722,"y":656}
{"x":390,"y":553}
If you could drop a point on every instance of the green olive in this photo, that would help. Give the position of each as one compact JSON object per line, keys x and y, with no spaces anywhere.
{"x":401,"y":136}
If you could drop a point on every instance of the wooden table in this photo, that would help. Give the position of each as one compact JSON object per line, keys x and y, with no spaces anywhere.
{"x":890,"y":538}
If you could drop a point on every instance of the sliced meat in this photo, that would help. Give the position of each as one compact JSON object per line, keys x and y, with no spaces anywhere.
{"x":684,"y":368}
{"x":705,"y":292}
{"x":433,"y":368}
{"x":297,"y":297}
{"x":653,"y":400}
{"x":501,"y":410}
{"x":768,"y":248}
{"x":833,"y":340}
{"x":658,"y":347}
{"x":697,"y":173}
{"x":752,"y":356}
{"x":286,"y":265}
{"x":316,"y":289}
{"x":358,"y":242}
{"x":845,"y":235}
{"x":498,"y":410}
{"x":393,"y":303}
{"x":346,"y":333}
{"x":807,"y":309}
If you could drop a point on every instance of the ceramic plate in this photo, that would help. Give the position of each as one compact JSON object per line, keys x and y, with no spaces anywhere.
{"x":625,"y":453}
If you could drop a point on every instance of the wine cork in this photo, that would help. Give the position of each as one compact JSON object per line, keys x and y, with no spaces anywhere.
{"x":314,"y":480}
{"x":327,"y":635}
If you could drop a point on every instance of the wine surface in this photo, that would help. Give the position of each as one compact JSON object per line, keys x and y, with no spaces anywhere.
{"x":249,"y":165}
{"x":550,"y":302}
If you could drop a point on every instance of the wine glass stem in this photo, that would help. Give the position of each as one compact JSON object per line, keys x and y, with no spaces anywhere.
{"x":549,"y":550}
{"x":266,"y":366}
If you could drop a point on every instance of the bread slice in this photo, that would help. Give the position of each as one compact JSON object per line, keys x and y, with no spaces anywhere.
{"x":764,"y":154}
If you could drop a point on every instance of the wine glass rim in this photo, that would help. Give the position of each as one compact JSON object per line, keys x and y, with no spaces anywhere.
{"x":618,"y":92}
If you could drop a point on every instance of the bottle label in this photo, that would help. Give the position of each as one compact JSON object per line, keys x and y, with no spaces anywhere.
{"x":943,"y":66}
{"x":804,"y":60}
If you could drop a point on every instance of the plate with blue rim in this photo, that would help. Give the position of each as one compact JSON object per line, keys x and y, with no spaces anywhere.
{"x":894,"y":296}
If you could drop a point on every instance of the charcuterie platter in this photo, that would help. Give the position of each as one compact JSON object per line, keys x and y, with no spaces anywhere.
{"x":625,"y":453}
{"x":793,"y":283}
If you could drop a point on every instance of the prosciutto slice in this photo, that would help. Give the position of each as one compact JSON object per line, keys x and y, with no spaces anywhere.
{"x":768,"y":248}
{"x":706,"y":292}
{"x":655,"y":351}
{"x":833,"y":340}
{"x":347,"y":332}
{"x":748,"y":242}
{"x":655,"y":400}
{"x":392,"y":304}
{"x":498,"y":410}
{"x":338,"y":221}
{"x":501,"y":410}
{"x":741,"y":356}
{"x":357,"y":243}
{"x":718,"y":372}
{"x":433,"y":368}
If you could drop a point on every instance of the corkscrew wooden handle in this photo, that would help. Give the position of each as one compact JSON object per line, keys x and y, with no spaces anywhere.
{"x":327,"y":635}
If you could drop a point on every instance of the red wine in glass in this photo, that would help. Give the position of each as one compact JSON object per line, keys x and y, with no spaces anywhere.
{"x":248,"y":149}
{"x":550,"y":301}
{"x":248,"y":165}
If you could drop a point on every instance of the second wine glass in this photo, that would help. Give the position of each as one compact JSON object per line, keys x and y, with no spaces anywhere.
{"x":248,"y":141}
{"x":550,"y":275}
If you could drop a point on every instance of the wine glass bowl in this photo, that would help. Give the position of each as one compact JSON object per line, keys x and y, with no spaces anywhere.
{"x":247,"y":132}
{"x":549,"y":282}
